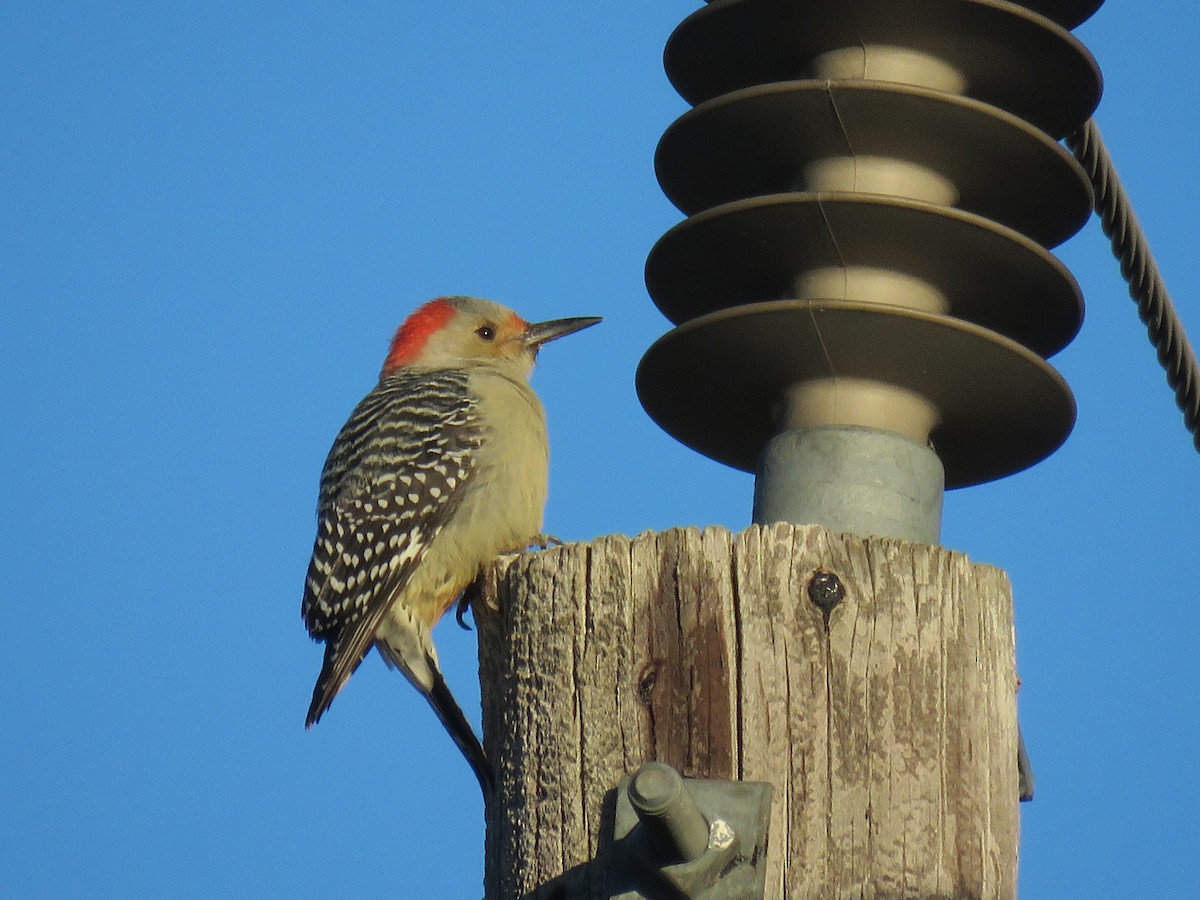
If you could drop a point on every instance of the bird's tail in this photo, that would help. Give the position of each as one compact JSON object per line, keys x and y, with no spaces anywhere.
{"x":334,"y":675}
{"x":419,"y":665}
{"x":451,"y":716}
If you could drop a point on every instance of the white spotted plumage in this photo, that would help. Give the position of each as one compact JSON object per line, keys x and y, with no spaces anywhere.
{"x":378,"y":449}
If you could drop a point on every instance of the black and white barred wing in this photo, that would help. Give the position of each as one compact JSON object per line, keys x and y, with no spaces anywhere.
{"x":395,"y":475}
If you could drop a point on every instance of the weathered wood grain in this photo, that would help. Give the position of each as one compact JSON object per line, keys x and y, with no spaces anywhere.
{"x":888,"y":726}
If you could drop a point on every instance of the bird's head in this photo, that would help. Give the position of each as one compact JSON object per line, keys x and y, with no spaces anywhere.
{"x":453,"y":332}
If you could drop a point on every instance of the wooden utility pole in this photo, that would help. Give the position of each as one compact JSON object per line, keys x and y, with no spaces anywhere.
{"x":885,"y":722}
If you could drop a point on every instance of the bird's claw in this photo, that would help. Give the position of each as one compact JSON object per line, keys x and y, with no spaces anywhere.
{"x":489,"y":587}
{"x":465,"y":602}
{"x":463,"y":605}
{"x":484,"y":589}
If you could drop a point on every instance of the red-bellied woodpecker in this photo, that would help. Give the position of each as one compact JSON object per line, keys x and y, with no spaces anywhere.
{"x":440,"y":469}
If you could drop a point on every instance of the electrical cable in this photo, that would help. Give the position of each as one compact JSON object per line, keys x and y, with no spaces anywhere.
{"x":1140,"y":272}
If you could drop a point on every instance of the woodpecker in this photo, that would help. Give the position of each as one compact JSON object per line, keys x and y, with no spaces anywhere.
{"x":441,"y":468}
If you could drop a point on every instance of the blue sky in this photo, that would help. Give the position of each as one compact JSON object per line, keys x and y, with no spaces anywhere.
{"x":215,"y":215}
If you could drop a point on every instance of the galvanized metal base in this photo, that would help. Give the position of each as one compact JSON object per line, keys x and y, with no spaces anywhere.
{"x":848,"y":478}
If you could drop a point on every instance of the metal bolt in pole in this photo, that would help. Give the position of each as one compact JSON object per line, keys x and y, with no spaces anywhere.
{"x":667,"y":811}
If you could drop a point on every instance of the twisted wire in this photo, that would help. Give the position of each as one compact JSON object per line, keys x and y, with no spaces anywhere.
{"x":1146,"y":285}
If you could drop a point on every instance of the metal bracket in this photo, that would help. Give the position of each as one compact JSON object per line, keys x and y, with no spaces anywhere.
{"x":693,"y":838}
{"x":1025,"y":782}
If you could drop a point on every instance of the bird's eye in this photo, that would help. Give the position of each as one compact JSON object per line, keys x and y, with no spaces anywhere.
{"x":486,"y":332}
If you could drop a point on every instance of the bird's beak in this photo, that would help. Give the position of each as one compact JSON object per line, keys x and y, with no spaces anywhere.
{"x":543,"y":332}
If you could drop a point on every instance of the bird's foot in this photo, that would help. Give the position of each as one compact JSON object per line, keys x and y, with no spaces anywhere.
{"x":489,"y":584}
{"x":483,"y":590}
{"x":466,"y":601}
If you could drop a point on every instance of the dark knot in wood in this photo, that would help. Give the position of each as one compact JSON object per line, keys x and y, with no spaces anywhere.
{"x":648,"y":679}
{"x":826,"y":591}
